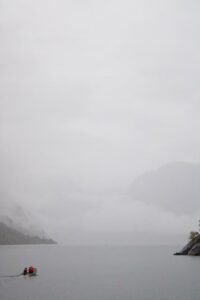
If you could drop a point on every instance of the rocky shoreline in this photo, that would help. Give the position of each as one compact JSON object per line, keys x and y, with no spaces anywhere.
{"x":192,"y":248}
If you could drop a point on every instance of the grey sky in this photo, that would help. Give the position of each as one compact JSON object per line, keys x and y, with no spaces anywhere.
{"x":92,"y":94}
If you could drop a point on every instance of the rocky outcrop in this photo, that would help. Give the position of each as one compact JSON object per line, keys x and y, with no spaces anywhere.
{"x":195,"y":250}
{"x":192,"y":248}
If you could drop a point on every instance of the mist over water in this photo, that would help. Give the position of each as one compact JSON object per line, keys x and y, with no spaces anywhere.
{"x":99,"y":147}
{"x":93,"y":95}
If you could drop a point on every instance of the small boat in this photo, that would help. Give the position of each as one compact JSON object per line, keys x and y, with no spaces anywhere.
{"x":30,"y":273}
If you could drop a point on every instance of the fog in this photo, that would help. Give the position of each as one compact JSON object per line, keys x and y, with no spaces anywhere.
{"x":92,"y":95}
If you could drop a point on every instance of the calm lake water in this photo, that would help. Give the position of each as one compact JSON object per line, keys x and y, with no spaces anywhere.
{"x":99,"y":273}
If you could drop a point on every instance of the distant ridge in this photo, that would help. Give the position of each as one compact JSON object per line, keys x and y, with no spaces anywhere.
{"x":174,"y":187}
{"x":10,"y":236}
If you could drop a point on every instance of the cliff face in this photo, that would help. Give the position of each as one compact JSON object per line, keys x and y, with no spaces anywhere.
{"x":10,"y":236}
{"x":192,"y":248}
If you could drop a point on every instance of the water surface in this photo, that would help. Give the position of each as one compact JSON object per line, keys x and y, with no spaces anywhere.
{"x":99,"y":273}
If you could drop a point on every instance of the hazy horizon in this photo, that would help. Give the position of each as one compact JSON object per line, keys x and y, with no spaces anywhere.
{"x":93,"y":95}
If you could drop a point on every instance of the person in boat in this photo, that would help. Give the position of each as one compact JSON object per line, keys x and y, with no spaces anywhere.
{"x":25,"y":271}
{"x":31,"y":270}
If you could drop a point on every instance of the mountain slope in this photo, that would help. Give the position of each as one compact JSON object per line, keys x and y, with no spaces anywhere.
{"x":10,"y":236}
{"x":174,"y":187}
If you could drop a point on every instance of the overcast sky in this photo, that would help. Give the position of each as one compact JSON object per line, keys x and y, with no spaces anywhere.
{"x":93,"y":94}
